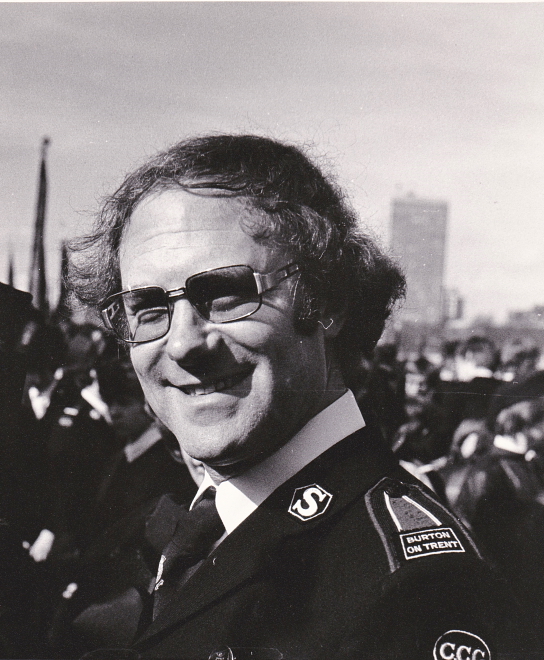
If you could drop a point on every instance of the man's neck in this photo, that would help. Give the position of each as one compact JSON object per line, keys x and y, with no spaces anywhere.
{"x":334,"y":389}
{"x":224,"y":473}
{"x":238,"y":497}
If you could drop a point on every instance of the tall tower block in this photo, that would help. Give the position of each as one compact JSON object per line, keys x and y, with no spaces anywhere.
{"x":418,"y":240}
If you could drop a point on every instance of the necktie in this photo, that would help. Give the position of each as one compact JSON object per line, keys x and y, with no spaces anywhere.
{"x":195,"y":533}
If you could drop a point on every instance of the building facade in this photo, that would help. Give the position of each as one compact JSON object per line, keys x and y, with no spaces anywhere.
{"x":418,"y":240}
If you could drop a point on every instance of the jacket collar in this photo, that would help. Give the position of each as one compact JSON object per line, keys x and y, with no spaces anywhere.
{"x":345,"y":471}
{"x":239,"y":497}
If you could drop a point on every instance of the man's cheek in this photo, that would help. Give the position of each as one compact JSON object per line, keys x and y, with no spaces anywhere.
{"x":154,"y":397}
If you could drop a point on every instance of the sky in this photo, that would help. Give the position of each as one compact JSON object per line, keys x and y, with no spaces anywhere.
{"x":443,"y":100}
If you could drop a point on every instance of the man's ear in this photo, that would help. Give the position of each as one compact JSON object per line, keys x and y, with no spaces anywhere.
{"x":332,"y":320}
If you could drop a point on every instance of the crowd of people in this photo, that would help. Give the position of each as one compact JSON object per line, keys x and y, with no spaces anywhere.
{"x":90,"y":453}
{"x":87,"y":453}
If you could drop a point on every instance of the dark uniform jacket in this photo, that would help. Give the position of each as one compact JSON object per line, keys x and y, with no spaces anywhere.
{"x":350,"y":558}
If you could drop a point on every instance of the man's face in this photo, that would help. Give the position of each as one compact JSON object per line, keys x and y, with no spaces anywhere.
{"x":234,"y":392}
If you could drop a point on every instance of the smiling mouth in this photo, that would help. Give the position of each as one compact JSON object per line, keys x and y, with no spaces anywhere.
{"x":217,"y":386}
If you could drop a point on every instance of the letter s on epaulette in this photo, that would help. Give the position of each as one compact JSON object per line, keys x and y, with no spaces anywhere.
{"x":412,"y":524}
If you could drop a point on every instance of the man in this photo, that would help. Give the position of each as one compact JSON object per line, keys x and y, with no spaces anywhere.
{"x":237,"y":275}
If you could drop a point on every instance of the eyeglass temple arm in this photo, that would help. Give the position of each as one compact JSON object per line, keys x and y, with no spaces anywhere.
{"x":268,"y":281}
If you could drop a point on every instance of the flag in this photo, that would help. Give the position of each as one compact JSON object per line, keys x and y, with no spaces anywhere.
{"x":37,"y":283}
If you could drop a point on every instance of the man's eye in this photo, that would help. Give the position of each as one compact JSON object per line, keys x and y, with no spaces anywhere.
{"x":225,"y":302}
{"x":150,"y":315}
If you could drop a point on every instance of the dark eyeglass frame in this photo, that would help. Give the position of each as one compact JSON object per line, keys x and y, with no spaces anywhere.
{"x":264,"y":282}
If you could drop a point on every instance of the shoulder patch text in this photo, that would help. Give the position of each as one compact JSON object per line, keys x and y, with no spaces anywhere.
{"x":430,"y":542}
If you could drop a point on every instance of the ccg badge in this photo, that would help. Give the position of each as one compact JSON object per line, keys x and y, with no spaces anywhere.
{"x":309,"y":502}
{"x":460,"y":645}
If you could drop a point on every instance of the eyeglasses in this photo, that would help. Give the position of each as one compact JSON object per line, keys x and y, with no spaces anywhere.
{"x":221,"y":295}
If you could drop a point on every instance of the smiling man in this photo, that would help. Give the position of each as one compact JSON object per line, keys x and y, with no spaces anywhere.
{"x":237,"y":390}
{"x":236,"y":274}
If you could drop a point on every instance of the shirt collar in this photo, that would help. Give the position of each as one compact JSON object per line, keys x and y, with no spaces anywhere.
{"x":238,"y":497}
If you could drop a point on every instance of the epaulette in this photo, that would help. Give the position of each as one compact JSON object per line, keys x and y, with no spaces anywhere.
{"x":412,"y":524}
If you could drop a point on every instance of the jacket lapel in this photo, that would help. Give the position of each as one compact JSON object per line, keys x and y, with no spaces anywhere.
{"x":346,"y":471}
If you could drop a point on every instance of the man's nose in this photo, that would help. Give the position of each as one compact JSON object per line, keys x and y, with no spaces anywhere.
{"x":188,"y":337}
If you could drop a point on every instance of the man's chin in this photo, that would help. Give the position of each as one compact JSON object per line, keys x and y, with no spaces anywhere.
{"x":215,"y":458}
{"x":245,"y":445}
{"x":227,"y":464}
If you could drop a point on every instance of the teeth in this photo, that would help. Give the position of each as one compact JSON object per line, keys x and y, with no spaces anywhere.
{"x":199,"y":390}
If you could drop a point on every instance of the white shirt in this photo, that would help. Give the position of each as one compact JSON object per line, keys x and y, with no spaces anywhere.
{"x":238,"y":497}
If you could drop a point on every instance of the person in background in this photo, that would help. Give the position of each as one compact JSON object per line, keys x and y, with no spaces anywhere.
{"x":519,"y":360}
{"x":79,"y":440}
{"x":422,"y":442}
{"x":471,"y":394}
{"x":145,"y":467}
{"x":21,"y":624}
{"x":501,"y":498}
{"x":147,"y":472}
{"x":522,"y":378}
{"x":379,"y":385}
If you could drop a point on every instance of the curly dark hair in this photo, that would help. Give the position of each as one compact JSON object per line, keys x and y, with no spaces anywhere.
{"x":303,"y":210}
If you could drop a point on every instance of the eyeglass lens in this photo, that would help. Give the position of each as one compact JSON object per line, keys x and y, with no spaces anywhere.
{"x":221,"y":295}
{"x":224,"y":294}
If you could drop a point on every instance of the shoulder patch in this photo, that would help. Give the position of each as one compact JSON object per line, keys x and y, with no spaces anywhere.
{"x":412,"y":524}
{"x":460,"y":645}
